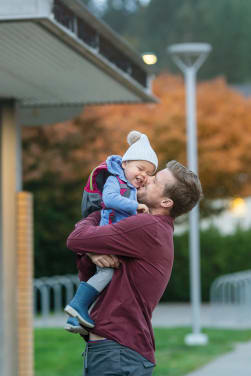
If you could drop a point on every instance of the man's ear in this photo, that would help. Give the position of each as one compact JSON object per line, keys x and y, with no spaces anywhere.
{"x":124,"y":164}
{"x":166,"y":203}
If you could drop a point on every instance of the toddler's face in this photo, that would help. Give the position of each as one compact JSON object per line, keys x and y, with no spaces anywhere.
{"x":137,"y":171}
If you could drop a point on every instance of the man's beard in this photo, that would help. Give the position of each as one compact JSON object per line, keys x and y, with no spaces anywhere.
{"x":142,"y":199}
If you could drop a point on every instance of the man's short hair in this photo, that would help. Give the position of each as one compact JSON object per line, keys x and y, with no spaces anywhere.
{"x":185,"y":192}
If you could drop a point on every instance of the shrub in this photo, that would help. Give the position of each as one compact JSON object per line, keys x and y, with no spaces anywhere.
{"x":220,"y":254}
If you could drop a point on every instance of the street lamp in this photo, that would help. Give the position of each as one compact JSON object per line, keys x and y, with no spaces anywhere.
{"x":189,"y":57}
{"x":149,"y":58}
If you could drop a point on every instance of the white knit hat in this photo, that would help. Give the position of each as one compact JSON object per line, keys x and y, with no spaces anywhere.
{"x":140,"y":149}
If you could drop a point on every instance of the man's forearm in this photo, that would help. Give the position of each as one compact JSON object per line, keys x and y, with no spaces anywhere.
{"x":116,"y":239}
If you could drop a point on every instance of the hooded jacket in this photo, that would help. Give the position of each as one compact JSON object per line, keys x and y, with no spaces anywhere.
{"x":120,"y":207}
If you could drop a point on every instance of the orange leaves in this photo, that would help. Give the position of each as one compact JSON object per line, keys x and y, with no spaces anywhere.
{"x":223,"y":126}
{"x":224,"y":133}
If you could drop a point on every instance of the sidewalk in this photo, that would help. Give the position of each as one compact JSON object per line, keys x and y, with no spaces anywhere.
{"x":236,"y":363}
{"x":180,"y":314}
{"x":170,"y":315}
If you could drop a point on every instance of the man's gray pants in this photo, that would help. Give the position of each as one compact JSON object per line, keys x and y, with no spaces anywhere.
{"x":109,"y":358}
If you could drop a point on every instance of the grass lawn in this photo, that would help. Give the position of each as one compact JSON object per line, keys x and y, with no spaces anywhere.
{"x":58,"y":353}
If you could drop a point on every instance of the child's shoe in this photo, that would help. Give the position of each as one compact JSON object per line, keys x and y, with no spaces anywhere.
{"x":72,"y":325}
{"x":78,"y":306}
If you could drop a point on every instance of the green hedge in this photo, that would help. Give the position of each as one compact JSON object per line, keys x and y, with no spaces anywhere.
{"x":220,"y":254}
{"x":55,"y":213}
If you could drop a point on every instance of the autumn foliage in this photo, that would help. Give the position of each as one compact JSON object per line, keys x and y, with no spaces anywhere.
{"x":70,"y":150}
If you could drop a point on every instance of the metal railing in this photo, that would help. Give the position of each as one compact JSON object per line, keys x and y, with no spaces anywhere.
{"x":92,"y":37}
{"x":230,"y":295}
{"x":51,"y":294}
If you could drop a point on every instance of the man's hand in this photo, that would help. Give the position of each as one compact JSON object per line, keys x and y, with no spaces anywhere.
{"x":142,"y":208}
{"x":104,"y":261}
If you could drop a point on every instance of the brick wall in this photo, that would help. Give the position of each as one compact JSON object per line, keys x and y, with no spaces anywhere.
{"x":25,"y":283}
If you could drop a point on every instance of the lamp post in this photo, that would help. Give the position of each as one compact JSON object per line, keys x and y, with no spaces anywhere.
{"x":149,"y":58}
{"x":189,"y":57}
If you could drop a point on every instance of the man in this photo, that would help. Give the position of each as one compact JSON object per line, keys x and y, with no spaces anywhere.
{"x":122,"y":342}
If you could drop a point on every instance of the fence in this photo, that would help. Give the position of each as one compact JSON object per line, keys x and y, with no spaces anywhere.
{"x":230,"y":297}
{"x":51,"y":294}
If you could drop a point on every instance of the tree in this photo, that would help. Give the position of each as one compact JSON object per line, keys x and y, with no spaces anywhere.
{"x":224,"y":24}
{"x":58,"y":158}
{"x":56,"y":162}
{"x":224,"y":125}
{"x":72,"y":149}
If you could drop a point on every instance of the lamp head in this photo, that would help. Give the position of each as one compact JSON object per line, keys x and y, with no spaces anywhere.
{"x":187,"y":55}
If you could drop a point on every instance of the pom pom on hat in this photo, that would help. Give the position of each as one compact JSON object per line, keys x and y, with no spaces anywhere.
{"x":140,"y":149}
{"x":133,"y":137}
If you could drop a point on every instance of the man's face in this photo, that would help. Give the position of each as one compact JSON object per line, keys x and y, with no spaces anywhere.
{"x":152,"y":193}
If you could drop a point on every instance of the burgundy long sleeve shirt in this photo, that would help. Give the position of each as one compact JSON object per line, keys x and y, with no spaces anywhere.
{"x":144,"y":245}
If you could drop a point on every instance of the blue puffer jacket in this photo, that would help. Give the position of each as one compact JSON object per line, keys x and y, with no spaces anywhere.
{"x":120,"y":206}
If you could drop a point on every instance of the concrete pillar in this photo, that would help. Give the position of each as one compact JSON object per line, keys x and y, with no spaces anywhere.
{"x":8,"y":237}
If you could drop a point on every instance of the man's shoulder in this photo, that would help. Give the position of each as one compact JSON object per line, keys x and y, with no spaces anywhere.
{"x":160,"y":222}
{"x":144,"y":222}
{"x":151,"y":218}
{"x":141,"y":220}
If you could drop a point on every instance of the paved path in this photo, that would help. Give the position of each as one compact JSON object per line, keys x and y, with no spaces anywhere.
{"x":180,"y":314}
{"x":173,"y":314}
{"x":236,"y":363}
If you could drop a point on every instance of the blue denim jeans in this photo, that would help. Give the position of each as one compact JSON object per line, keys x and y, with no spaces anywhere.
{"x":109,"y":358}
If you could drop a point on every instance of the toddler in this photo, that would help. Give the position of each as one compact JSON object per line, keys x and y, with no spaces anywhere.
{"x":138,"y":162}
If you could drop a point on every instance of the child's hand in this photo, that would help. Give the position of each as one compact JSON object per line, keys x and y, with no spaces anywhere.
{"x":104,"y":261}
{"x":142,"y":208}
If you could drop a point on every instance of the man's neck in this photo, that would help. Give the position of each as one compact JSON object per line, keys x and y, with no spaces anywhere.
{"x":159,"y":211}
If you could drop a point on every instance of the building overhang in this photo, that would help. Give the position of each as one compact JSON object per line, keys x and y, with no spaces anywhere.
{"x":58,"y":57}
